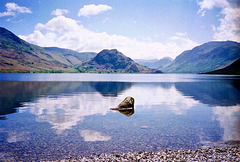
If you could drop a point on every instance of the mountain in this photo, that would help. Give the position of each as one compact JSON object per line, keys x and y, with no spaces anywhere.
{"x":19,"y":55}
{"x":73,"y":57}
{"x":114,"y":61}
{"x":145,"y":62}
{"x":233,"y":69}
{"x":204,"y":58}
{"x":155,"y":64}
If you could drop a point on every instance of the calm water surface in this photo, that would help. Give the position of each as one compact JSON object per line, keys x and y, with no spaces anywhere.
{"x":54,"y":116}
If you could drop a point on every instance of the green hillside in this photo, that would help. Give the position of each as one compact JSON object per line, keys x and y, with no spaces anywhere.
{"x":17,"y":55}
{"x":114,"y":61}
{"x":72,"y":57}
{"x":204,"y":58}
{"x":233,"y":69}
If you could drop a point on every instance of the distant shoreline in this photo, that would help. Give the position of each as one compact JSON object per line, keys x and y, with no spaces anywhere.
{"x":70,"y":72}
{"x":99,"y":72}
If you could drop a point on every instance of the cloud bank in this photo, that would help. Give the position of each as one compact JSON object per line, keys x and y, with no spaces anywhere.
{"x":229,"y":28}
{"x":92,"y":9}
{"x":13,"y":9}
{"x":65,"y":32}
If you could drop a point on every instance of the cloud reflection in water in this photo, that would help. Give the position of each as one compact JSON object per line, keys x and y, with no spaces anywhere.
{"x":229,"y":119}
{"x":92,"y":136}
{"x":65,"y":111}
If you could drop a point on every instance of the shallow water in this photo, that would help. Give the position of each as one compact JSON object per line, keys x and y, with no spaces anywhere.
{"x":54,"y":116}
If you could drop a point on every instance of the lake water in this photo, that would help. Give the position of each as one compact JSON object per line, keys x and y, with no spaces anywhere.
{"x":54,"y":116}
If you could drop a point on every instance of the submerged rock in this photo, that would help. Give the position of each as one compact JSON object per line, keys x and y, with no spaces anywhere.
{"x":127,"y":112}
{"x":126,"y":104}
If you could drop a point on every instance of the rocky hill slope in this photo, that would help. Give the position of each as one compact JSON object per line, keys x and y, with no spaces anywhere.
{"x":114,"y":61}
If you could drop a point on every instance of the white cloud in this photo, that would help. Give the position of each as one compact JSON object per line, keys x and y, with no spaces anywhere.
{"x":181,"y":34}
{"x":68,"y":33}
{"x":92,"y":9}
{"x":13,"y":9}
{"x":209,"y":4}
{"x":7,"y":13}
{"x":229,"y":28}
{"x":59,"y":12}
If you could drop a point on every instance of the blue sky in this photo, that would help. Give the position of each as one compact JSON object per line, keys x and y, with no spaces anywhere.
{"x":139,"y":28}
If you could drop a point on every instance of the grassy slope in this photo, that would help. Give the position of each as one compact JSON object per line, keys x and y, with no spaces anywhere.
{"x":204,"y":58}
{"x":233,"y":69}
{"x":17,"y":55}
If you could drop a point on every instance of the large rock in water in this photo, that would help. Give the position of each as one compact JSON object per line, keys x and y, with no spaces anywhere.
{"x":127,"y":112}
{"x":126,"y":104}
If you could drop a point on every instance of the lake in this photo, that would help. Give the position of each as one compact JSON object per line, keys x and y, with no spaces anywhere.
{"x":54,"y":116}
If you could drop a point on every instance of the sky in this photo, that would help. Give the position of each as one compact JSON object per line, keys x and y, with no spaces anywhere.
{"x":140,"y":29}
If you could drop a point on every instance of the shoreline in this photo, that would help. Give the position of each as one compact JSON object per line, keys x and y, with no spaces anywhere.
{"x":228,"y":151}
{"x":218,"y":151}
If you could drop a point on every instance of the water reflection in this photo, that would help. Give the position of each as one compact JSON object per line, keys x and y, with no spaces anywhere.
{"x":16,"y":136}
{"x":63,"y":112}
{"x":69,"y":102}
{"x":229,"y":119}
{"x":150,"y":94}
{"x":223,"y":93}
{"x":13,"y":94}
{"x":92,"y":136}
{"x":76,"y":116}
{"x":223,"y":97}
{"x":111,"y":88}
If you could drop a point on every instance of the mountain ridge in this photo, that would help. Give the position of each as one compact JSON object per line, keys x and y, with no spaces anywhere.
{"x":115,"y":62}
{"x":155,"y":63}
{"x":206,"y":57}
{"x":232,"y":69}
{"x":73,"y":57}
{"x":17,"y":55}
